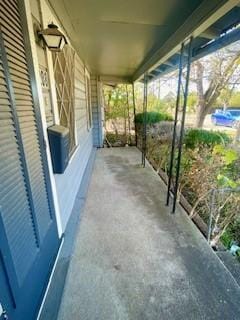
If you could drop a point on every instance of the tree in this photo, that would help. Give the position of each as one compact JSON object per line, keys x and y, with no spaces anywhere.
{"x":192,"y":102}
{"x":118,"y":105}
{"x":235,"y":100}
{"x":169,"y":102}
{"x":212,"y":75}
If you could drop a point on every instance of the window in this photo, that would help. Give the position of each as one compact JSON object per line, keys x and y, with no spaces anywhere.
{"x":63,"y":66}
{"x":88,"y":99}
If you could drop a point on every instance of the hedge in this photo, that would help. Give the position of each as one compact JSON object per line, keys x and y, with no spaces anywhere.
{"x":197,"y":137}
{"x":153,"y":117}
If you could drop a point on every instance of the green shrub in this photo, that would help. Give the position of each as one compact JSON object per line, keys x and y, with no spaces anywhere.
{"x":153,"y":117}
{"x":200,"y":137}
{"x":226,"y":239}
{"x":233,"y":232}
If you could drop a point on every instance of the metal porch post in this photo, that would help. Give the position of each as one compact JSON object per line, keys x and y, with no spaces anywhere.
{"x":175,"y":124}
{"x":134,"y":112}
{"x":180,"y":144}
{"x":144,"y":131}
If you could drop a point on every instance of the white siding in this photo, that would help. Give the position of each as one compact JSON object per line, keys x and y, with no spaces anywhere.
{"x":80,"y":99}
{"x":43,"y":66}
{"x":68,"y":183}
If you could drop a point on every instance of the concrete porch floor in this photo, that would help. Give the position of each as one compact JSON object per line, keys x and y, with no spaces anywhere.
{"x":134,"y":260}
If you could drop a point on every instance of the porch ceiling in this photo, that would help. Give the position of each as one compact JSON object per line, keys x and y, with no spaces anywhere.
{"x":121,"y":38}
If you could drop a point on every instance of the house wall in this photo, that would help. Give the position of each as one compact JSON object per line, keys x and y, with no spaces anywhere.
{"x":97,"y":111}
{"x":43,"y":66}
{"x":66,"y":184}
{"x":101,"y":112}
{"x":69,"y":182}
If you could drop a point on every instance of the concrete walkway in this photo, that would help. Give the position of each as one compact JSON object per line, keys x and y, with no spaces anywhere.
{"x":133,"y":260}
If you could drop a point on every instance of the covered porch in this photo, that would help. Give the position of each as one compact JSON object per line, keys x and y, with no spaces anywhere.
{"x":133,"y":259}
{"x":129,"y":258}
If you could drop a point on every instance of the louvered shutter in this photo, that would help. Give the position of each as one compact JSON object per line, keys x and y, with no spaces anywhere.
{"x":28,"y":232}
{"x":15,"y":208}
{"x":15,"y":51}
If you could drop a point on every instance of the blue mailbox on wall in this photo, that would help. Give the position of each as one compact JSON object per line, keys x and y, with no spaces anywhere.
{"x":58,"y":137}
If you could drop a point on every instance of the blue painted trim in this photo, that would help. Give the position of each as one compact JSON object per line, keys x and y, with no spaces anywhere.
{"x":53,"y":299}
{"x":219,"y":43}
{"x":198,"y":52}
{"x":6,"y":257}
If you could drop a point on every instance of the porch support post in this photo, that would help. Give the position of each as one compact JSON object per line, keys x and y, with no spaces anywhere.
{"x":134,"y":112}
{"x":144,"y":131}
{"x":170,"y":173}
{"x":180,"y":143}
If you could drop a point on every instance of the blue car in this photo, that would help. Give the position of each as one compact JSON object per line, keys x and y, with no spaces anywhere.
{"x":227,"y":118}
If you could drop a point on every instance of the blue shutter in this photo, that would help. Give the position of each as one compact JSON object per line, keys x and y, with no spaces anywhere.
{"x":26,"y":114}
{"x":15,"y":208}
{"x":28,"y":232}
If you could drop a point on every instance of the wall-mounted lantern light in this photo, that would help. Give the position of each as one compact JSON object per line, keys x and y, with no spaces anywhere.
{"x":53,"y":38}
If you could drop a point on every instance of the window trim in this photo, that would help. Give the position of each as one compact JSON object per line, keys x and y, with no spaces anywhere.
{"x":74,"y":130}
